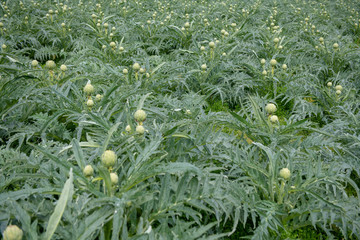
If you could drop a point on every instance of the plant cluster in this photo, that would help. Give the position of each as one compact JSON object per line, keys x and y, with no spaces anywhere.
{"x":128,"y":119}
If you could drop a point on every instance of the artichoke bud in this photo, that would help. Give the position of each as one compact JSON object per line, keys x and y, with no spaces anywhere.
{"x":50,"y":64}
{"x":274,"y":119}
{"x":114,"y":178}
{"x":270,"y":108}
{"x":88,"y":171}
{"x":285,"y":173}
{"x":140,"y":115}
{"x":140,"y":129}
{"x":108,"y":158}
{"x":89,"y":89}
{"x":13,"y":232}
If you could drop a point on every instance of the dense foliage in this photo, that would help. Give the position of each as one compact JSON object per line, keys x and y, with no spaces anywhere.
{"x":124,"y":119}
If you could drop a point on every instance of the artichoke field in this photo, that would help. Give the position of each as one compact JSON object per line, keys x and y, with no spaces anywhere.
{"x":206,"y":119}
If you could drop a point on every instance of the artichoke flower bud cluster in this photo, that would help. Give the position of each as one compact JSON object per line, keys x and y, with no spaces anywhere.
{"x":88,"y":90}
{"x":285,"y":173}
{"x":338,"y":89}
{"x":13,"y":232}
{"x":140,"y":117}
{"x":108,"y":159}
{"x":224,"y":33}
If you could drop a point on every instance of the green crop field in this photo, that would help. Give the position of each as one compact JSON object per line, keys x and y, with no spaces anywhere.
{"x":179,"y":119}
